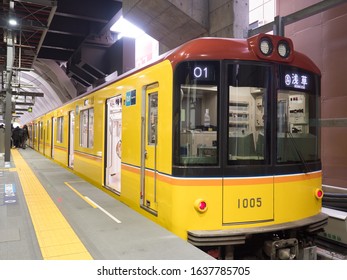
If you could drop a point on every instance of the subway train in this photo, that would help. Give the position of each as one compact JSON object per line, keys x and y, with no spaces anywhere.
{"x":217,"y":141}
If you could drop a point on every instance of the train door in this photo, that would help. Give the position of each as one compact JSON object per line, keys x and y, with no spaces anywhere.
{"x":43,"y":139}
{"x":35,"y":136}
{"x":49,"y":143}
{"x":53,"y":139}
{"x":30,"y":139}
{"x":39,"y":130}
{"x":114,"y":143}
{"x":71,"y":138}
{"x":149,"y":148}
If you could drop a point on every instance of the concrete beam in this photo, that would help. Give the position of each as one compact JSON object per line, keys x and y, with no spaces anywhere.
{"x":171,"y":22}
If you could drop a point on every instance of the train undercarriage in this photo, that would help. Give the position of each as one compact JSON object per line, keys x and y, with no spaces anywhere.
{"x":288,"y":241}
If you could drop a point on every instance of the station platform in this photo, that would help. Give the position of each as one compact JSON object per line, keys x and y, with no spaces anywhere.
{"x":49,"y":213}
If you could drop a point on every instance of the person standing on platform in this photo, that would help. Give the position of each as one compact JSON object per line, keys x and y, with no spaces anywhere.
{"x":16,"y":136}
{"x":25,"y":136}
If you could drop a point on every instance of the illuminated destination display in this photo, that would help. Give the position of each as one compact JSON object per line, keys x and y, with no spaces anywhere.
{"x":297,"y":80}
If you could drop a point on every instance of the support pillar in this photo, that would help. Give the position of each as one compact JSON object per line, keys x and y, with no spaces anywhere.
{"x":8,"y":107}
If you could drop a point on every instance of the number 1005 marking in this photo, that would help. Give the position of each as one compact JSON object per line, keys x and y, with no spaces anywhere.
{"x":249,"y":202}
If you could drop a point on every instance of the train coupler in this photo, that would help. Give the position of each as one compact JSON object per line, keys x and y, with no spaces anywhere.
{"x":282,"y":249}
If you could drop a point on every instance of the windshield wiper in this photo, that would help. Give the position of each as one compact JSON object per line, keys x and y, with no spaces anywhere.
{"x":306,"y":168}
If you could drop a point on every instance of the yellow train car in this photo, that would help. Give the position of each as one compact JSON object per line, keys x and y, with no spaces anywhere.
{"x":217,"y":141}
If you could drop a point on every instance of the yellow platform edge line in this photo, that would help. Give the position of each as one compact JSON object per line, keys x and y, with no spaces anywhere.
{"x":56,"y":238}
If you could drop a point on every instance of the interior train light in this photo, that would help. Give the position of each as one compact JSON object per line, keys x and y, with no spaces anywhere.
{"x":283,"y":49}
{"x":319,"y":193}
{"x":266,"y":46}
{"x":200,"y":205}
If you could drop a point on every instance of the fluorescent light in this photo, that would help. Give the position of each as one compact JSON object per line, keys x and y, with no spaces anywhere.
{"x":126,"y":28}
{"x":12,"y":22}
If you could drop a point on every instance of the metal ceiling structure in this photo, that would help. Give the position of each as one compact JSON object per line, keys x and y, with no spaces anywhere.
{"x":57,"y":30}
{"x":65,"y":47}
{"x":51,"y":51}
{"x":32,"y":21}
{"x":20,"y":42}
{"x":55,"y":48}
{"x":80,"y":35}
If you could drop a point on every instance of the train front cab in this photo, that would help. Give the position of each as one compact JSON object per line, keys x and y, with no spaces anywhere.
{"x":247,"y":153}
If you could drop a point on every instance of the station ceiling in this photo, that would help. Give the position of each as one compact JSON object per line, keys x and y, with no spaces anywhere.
{"x":62,"y":48}
{"x":48,"y":42}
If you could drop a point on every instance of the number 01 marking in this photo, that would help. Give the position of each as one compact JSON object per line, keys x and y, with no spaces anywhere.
{"x":249,"y":202}
{"x":200,"y":72}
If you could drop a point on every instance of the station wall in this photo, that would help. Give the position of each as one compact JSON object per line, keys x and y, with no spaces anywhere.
{"x":323,"y":37}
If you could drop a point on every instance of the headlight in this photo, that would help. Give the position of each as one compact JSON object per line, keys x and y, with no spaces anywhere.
{"x":283,"y":49}
{"x":266,"y":46}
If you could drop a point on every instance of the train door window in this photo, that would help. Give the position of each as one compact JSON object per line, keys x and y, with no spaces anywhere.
{"x":248,"y":87}
{"x":47,"y":126}
{"x":91,"y":128}
{"x":41,"y":130}
{"x":87,"y":128}
{"x":30,"y":139}
{"x":53,"y":132}
{"x":60,"y":129}
{"x":196,"y":113}
{"x":35,"y":131}
{"x":297,"y":117}
{"x":153,"y":118}
{"x":113,"y":152}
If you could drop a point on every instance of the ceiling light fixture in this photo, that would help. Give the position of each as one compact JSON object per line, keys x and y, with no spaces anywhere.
{"x":12,"y":22}
{"x":126,"y":28}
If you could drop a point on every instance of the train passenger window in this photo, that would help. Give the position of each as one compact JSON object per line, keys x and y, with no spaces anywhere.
{"x":297,"y":129}
{"x":248,"y":87}
{"x":87,"y":128}
{"x":60,"y":129}
{"x":196,"y":110}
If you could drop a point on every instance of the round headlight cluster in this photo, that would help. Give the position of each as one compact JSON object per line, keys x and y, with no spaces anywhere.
{"x":283,"y":49}
{"x":266,"y":47}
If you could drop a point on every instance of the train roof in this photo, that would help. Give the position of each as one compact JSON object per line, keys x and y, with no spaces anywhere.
{"x":214,"y":48}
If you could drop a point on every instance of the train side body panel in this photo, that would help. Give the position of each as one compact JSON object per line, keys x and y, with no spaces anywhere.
{"x":154,"y":81}
{"x":88,"y":161}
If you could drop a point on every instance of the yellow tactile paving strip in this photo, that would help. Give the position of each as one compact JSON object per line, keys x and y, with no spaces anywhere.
{"x":56,"y":238}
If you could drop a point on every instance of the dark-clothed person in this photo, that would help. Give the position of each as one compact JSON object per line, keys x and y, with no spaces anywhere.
{"x":17,"y":136}
{"x":25,"y":136}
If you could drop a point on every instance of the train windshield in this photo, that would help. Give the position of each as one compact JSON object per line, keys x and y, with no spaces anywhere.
{"x":297,"y":117}
{"x":248,"y":86}
{"x":254,"y":113}
{"x":198,"y":87}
